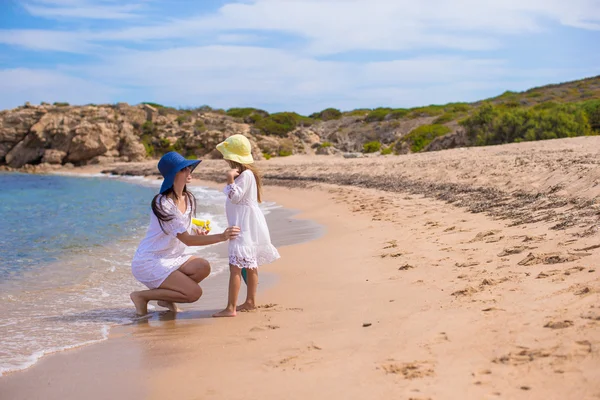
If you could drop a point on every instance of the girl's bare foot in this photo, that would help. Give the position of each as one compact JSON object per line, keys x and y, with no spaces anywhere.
{"x":168,"y":304}
{"x":225,"y":313}
{"x":141,"y":305}
{"x":246,"y":307}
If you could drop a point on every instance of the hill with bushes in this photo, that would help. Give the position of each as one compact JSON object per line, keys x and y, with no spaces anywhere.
{"x":63,"y":134}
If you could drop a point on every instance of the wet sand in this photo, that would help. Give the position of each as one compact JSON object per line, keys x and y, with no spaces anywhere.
{"x":490,"y":291}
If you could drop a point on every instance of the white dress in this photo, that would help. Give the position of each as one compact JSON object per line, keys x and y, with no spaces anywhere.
{"x":253,"y":246}
{"x":160,"y":253}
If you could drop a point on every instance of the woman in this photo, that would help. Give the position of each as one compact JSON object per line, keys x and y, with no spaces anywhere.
{"x":159,"y":262}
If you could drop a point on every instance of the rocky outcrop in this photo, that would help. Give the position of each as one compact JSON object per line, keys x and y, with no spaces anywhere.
{"x":55,"y":135}
{"x":449,"y":141}
{"x":78,"y":135}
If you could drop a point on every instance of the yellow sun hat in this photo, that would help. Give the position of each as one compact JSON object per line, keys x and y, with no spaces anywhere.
{"x":236,"y":148}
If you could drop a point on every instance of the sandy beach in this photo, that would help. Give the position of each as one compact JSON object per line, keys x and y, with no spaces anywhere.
{"x":461,"y":274}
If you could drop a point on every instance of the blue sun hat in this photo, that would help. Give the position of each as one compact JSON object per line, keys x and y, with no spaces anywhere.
{"x":170,"y":164}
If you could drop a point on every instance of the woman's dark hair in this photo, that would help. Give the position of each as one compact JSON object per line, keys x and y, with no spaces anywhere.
{"x":164,"y":216}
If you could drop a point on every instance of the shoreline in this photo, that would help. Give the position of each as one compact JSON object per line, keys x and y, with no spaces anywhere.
{"x":405,"y":296}
{"x":293,"y":231}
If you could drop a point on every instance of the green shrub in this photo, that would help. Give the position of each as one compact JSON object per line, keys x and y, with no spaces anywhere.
{"x":457,"y":107}
{"x":547,"y":105}
{"x":387,"y":150}
{"x":420,"y":137}
{"x":327,"y":114}
{"x":182,"y":119}
{"x":148,"y":146}
{"x":592,"y":111}
{"x":199,"y":125}
{"x":493,"y":125}
{"x":284,"y":153}
{"x":429,"y":111}
{"x":148,"y":128}
{"x":398,"y":113}
{"x":359,"y":112}
{"x":267,"y":156}
{"x":279,"y":124}
{"x":533,"y":95}
{"x":179,"y":146}
{"x":371,"y":147}
{"x":249,"y":115}
{"x":377,"y":114}
{"x":239,"y":112}
{"x":61,"y":104}
{"x":444,"y":118}
{"x":325,"y":144}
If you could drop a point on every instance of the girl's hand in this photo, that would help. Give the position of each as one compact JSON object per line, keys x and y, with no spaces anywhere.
{"x":231,"y":233}
{"x":231,"y":175}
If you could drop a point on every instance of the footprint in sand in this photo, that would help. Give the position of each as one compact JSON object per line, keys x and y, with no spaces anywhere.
{"x":546,"y":274}
{"x":523,"y":356}
{"x":298,"y":359}
{"x":483,"y":235}
{"x":392,"y":244}
{"x":591,"y":315}
{"x":596,"y":246}
{"x":514,"y":250}
{"x":411,"y":370}
{"x":469,"y":290}
{"x":548,"y":258}
{"x":268,"y":306}
{"x":559,"y":324}
{"x":405,"y":267}
{"x":466,"y":264}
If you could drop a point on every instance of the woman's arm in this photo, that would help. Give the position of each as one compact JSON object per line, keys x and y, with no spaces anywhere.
{"x":204,"y":240}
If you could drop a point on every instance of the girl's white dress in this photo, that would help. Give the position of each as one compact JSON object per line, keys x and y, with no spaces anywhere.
{"x":253,"y":246}
{"x":160,"y":253}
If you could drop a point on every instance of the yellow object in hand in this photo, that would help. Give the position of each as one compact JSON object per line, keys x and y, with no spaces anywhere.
{"x":202,"y":223}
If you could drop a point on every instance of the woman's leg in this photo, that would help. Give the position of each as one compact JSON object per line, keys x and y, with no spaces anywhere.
{"x":235,"y":281}
{"x":197,"y":269}
{"x":177,"y":288}
{"x":250,"y":304}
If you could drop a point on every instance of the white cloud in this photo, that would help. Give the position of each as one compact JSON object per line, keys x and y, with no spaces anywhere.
{"x":45,"y":40}
{"x":22,"y":84}
{"x":62,"y":9}
{"x":329,"y":26}
{"x":229,"y":76}
{"x":292,"y":72}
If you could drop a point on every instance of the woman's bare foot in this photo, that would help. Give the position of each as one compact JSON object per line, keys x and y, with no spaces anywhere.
{"x":169,"y":304}
{"x":225,"y":313}
{"x":246,"y":307}
{"x":141,"y":305}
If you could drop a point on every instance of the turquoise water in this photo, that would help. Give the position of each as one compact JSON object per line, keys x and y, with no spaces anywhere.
{"x":45,"y":216}
{"x":66,"y":246}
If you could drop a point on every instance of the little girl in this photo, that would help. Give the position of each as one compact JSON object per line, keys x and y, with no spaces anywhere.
{"x":253,"y":245}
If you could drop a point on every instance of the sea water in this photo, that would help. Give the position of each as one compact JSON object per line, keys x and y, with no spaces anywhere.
{"x":66,"y":245}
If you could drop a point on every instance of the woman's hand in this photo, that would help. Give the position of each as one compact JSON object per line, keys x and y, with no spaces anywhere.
{"x":231,"y":175}
{"x":201,"y":231}
{"x":231,"y":233}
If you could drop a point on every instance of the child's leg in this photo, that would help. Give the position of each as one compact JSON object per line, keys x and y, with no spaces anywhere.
{"x":250,"y":304}
{"x":235,"y":281}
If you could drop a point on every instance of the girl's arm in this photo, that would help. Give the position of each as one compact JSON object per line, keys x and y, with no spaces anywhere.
{"x":236,"y":189}
{"x":204,"y":240}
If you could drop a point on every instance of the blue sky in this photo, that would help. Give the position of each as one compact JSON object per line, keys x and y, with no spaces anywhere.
{"x":291,"y":55}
